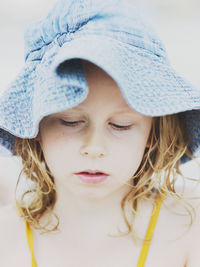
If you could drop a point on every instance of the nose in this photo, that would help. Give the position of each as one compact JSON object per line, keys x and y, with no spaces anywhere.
{"x":94,"y":145}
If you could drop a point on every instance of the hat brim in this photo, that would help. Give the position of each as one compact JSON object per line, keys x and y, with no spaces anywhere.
{"x":148,"y":83}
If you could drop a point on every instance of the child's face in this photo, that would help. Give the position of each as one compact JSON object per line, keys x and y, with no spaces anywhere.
{"x":95,"y":142}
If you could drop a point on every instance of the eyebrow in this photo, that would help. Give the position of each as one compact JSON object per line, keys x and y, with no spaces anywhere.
{"x":121,"y":111}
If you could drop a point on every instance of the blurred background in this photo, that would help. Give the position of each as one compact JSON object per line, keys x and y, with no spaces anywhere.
{"x":177,"y":22}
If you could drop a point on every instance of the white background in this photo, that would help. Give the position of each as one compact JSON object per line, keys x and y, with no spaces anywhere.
{"x":176,"y":21}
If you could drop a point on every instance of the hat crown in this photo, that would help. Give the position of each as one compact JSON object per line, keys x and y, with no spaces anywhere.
{"x":114,"y":18}
{"x":110,"y":34}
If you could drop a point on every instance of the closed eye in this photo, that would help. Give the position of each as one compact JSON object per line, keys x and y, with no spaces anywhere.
{"x":71,"y":123}
{"x":121,"y":127}
{"x":115,"y":126}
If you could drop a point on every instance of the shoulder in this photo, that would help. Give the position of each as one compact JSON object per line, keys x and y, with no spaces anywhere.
{"x":193,"y":194}
{"x":10,"y":225}
{"x":13,"y":243}
{"x":9,"y":216}
{"x":184,"y":218}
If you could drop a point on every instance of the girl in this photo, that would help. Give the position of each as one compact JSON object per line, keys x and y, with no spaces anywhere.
{"x":101,"y":122}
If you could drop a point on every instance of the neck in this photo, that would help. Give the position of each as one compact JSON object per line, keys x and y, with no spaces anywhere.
{"x":100,"y":214}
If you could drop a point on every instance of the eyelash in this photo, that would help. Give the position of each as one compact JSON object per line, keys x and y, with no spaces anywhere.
{"x":75,"y":123}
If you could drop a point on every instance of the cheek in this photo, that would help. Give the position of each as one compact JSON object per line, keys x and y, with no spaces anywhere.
{"x":54,"y":141}
{"x":128,"y":156}
{"x":52,"y":147}
{"x":60,"y":152}
{"x":132,"y":156}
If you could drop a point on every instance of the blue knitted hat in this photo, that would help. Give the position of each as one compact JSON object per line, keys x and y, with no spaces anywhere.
{"x":110,"y":34}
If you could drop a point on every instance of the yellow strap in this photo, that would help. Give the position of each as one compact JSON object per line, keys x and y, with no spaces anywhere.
{"x":29,"y":235}
{"x":146,"y":244}
{"x":150,"y":230}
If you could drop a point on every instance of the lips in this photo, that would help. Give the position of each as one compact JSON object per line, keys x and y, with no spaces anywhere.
{"x":92,"y":176}
{"x":92,"y":172}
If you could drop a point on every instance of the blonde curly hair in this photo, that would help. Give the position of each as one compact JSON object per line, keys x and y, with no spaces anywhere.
{"x":158,"y":171}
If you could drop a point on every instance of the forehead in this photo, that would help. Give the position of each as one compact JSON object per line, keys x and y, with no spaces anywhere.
{"x":110,"y":112}
{"x":114,"y":111}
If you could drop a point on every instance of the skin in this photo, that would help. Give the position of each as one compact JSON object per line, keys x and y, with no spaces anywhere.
{"x":94,"y":143}
{"x":87,"y":213}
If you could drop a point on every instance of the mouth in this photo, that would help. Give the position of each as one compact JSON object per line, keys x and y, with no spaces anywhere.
{"x":92,"y":176}
{"x":92,"y":172}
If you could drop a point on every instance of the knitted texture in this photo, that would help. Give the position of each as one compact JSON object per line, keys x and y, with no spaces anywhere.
{"x":110,"y":34}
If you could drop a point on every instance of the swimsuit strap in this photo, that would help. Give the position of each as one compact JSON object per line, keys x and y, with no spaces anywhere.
{"x":146,"y":243}
{"x":150,"y":230}
{"x":29,"y":235}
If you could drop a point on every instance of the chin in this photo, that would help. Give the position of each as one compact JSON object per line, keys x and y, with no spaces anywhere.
{"x":92,"y":196}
